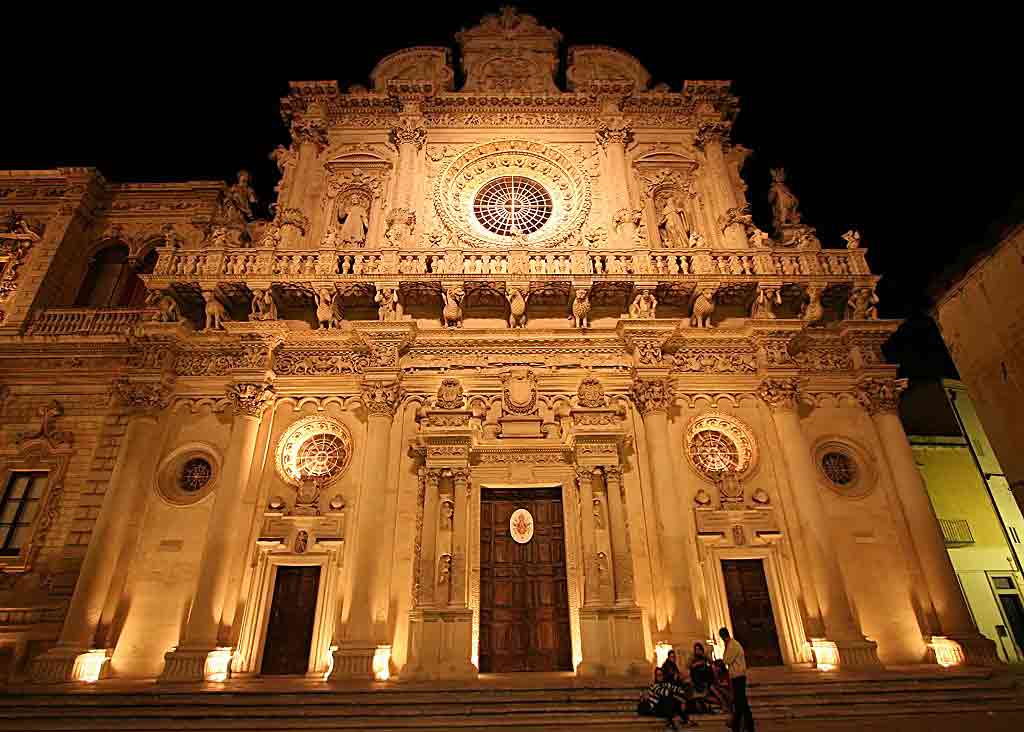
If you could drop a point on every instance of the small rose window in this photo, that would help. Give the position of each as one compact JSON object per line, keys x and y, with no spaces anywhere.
{"x":195,"y":475}
{"x":839,"y":468}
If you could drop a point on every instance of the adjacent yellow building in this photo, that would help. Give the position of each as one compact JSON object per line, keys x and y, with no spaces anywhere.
{"x":980,"y":520}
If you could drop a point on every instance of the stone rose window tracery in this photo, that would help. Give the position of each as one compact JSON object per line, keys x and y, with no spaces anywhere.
{"x":316,"y":448}
{"x":512,"y":205}
{"x":839,"y":468}
{"x":321,"y":456}
{"x":716,"y":444}
{"x":845,"y":466}
{"x":195,"y":475}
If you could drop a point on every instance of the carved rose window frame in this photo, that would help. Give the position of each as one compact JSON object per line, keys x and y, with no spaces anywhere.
{"x":288,"y":452}
{"x":169,"y":473}
{"x":36,"y":455}
{"x":865,"y":475}
{"x":730,"y":428}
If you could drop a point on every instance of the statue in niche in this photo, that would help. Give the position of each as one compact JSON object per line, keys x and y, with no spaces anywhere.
{"x":703,"y":308}
{"x":354,"y":220}
{"x":784,"y":203}
{"x":764,"y":304}
{"x":215,"y":311}
{"x":672,"y":227}
{"x":263,"y":305}
{"x":301,"y":542}
{"x":447,"y":514}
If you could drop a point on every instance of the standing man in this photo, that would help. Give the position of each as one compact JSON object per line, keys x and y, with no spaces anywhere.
{"x":736,"y":663}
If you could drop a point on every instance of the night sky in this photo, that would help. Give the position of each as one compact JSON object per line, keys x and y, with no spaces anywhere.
{"x":906,"y":132}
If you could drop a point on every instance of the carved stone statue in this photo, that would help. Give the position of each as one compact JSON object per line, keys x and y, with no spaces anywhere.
{"x":388,"y":306}
{"x":696,"y":240}
{"x":216,"y":314}
{"x":643,"y":305}
{"x":862,"y":304}
{"x":784,"y":203}
{"x":581,"y":308}
{"x":451,"y":315}
{"x":400,"y":225}
{"x":852,"y":239}
{"x":263,"y":305}
{"x":765,"y":302}
{"x":236,"y":204}
{"x":672,"y":224}
{"x":703,"y":308}
{"x":355,"y":222}
{"x":627,"y":224}
{"x":516,"y":309}
{"x":327,"y":315}
{"x":757,"y":238}
{"x":813,"y":310}
{"x":168,"y":307}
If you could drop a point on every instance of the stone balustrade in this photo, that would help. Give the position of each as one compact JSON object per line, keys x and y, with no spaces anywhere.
{"x":653,"y":264}
{"x":87,"y":321}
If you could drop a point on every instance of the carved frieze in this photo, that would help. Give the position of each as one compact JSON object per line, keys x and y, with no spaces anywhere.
{"x":143,"y":396}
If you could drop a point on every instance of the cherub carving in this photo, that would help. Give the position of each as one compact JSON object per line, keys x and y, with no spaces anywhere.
{"x":643,"y":305}
{"x":388,"y":306}
{"x":263,"y":305}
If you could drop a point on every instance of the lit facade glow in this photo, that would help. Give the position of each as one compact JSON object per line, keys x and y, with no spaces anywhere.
{"x":382,"y":663}
{"x":89,"y":665}
{"x":947,"y":652}
{"x":826,"y":654}
{"x":218,"y":664}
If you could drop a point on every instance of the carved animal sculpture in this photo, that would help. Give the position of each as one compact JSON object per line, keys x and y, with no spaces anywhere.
{"x":703,"y":307}
{"x":215,"y":312}
{"x":326,"y":315}
{"x":451,"y":315}
{"x":516,"y":309}
{"x":581,"y":309}
{"x":167,"y":305}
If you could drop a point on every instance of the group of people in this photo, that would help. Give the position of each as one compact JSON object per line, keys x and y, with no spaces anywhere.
{"x":710,"y":687}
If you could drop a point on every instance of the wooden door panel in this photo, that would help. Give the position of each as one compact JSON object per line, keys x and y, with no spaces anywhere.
{"x":292,"y":616}
{"x":750,"y":608}
{"x":524,"y":602}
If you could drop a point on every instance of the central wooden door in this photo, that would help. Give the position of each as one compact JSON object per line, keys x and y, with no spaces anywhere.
{"x":524,"y":596}
{"x":292,"y":614}
{"x":750,"y":607}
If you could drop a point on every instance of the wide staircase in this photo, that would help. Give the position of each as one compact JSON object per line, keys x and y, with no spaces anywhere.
{"x":520,"y":703}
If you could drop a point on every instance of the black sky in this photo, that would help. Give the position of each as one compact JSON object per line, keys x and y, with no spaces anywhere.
{"x":903,"y":127}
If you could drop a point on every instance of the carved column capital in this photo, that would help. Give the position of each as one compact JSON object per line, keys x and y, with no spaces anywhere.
{"x":710,"y":132}
{"x":461,"y":479}
{"x":312,"y":131}
{"x":381,"y":398}
{"x":408,"y":134}
{"x":613,"y":474}
{"x":880,"y":396}
{"x":143,"y":397}
{"x":614,"y":132}
{"x":250,"y":399}
{"x":652,"y":395}
{"x":780,"y":394}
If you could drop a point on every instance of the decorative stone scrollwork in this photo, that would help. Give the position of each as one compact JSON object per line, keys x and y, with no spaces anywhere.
{"x":614,"y":132}
{"x":143,"y":396}
{"x":250,"y":399}
{"x":780,"y":394}
{"x":48,"y":414}
{"x":590,"y":393}
{"x":381,"y":398}
{"x":652,"y":395}
{"x":880,"y":395}
{"x":449,"y":395}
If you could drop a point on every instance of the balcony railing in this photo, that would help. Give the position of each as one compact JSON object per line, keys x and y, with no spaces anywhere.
{"x":220,"y":264}
{"x":87,"y":321}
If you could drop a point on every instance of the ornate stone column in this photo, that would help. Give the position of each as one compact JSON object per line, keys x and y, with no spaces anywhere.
{"x":188,"y":662}
{"x":614,"y":135}
{"x":358,"y":642}
{"x":74,"y":658}
{"x":621,"y":554}
{"x":683,"y":629}
{"x":409,"y":137}
{"x":782,"y":398}
{"x":710,"y":139}
{"x":880,"y":397}
{"x":585,"y":486}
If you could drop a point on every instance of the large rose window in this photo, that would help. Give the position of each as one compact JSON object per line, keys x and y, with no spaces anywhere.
{"x":314,"y":448}
{"x":496,"y":193}
{"x":717,"y":443}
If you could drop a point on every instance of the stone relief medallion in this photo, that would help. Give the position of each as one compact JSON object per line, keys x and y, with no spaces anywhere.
{"x":519,"y":393}
{"x":521,"y":526}
{"x":716,"y":444}
{"x":315,"y":449}
{"x":512,"y":193}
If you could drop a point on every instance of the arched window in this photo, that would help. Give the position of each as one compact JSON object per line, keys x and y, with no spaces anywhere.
{"x":112,"y":279}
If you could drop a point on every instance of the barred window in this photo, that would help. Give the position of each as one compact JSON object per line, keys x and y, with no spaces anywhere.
{"x":195,"y":474}
{"x":512,"y":205}
{"x":22,"y":494}
{"x":839,"y":468}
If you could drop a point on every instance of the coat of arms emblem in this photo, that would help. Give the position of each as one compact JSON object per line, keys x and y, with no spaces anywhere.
{"x":521,"y":526}
{"x":449,"y":395}
{"x":519,"y":395}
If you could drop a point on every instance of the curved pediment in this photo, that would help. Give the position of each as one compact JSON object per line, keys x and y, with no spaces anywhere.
{"x":604,"y":66}
{"x":420,"y":67}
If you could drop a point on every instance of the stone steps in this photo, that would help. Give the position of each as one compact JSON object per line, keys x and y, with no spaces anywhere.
{"x":517,"y":705}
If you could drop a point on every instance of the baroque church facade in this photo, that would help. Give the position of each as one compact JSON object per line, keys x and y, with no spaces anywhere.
{"x":511,"y":381}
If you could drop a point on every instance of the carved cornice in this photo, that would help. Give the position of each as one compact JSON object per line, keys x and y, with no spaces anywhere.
{"x":780,"y":394}
{"x":652,"y":395}
{"x":143,"y":396}
{"x":249,"y":399}
{"x":381,"y":398}
{"x":880,"y":396}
